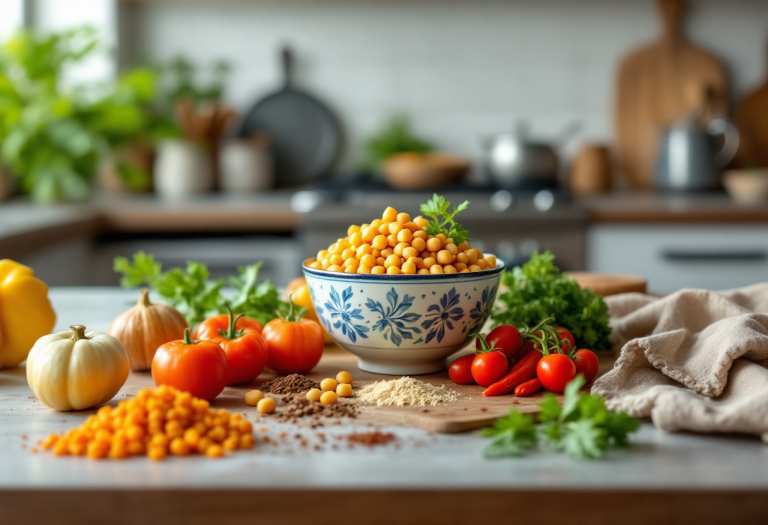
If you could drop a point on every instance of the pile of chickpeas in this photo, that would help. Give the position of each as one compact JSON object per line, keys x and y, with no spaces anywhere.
{"x":394,"y":245}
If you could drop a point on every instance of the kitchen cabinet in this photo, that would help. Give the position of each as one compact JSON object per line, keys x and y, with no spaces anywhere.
{"x":684,"y":255}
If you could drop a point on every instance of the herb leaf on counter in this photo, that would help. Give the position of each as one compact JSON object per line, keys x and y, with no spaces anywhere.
{"x":441,"y":220}
{"x":538,"y":290}
{"x":513,"y":435}
{"x":197,"y":297}
{"x":582,"y":427}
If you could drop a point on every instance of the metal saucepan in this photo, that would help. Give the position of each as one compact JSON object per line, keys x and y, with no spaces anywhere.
{"x":515,"y":161}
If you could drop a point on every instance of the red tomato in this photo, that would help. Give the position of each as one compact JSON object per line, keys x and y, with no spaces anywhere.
{"x":295,"y":347}
{"x":241,"y":340}
{"x":197,"y":367}
{"x":555,"y":371}
{"x":489,"y":367}
{"x":504,"y":338}
{"x":586,"y":363}
{"x":564,"y":336}
{"x":460,"y":370}
{"x":212,"y":327}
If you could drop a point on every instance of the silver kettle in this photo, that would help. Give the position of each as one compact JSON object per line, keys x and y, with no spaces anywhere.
{"x":689,"y":158}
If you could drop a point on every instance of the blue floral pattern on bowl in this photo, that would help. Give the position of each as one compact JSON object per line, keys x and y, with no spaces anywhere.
{"x":442,"y":314}
{"x":341,"y":310}
{"x":396,"y":323}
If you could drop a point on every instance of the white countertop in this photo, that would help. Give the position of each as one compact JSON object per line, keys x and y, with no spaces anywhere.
{"x":657,"y":460}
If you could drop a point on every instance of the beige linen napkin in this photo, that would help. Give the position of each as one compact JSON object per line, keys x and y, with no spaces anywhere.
{"x":695,"y":360}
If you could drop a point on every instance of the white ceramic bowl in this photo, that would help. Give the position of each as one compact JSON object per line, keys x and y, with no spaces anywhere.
{"x":402,"y":324}
{"x":747,"y":186}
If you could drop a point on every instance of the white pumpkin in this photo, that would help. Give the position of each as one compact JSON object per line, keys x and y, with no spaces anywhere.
{"x":76,"y":370}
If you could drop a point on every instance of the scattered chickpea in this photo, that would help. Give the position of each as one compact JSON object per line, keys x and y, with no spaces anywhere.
{"x":266,"y":406}
{"x":329,"y":398}
{"x":344,"y":378}
{"x":344,"y":390}
{"x":253,"y":397}
{"x":328,"y":384}
{"x":314,"y":395}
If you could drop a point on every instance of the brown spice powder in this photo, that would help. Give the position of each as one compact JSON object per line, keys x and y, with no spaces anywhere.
{"x":288,"y":385}
{"x":299,"y":407}
{"x":370,"y":439}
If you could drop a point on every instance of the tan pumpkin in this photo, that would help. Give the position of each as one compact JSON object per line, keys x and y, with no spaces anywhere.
{"x":145,"y":327}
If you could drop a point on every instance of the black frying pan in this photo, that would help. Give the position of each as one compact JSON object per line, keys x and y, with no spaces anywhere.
{"x":306,"y":137}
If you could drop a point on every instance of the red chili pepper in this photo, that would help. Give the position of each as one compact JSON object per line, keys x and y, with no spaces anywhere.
{"x":528,"y":388}
{"x":523,"y":371}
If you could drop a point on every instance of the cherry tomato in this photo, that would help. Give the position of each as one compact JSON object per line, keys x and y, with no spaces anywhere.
{"x":504,"y":338}
{"x":460,"y":370}
{"x":197,"y":367}
{"x":555,"y":371}
{"x":212,"y":327}
{"x":246,"y":349}
{"x":489,"y":367}
{"x":564,"y":336}
{"x":586,"y":363}
{"x":295,"y":347}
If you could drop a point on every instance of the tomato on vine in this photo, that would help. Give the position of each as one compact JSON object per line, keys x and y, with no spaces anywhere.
{"x":504,"y":338}
{"x":489,"y":365}
{"x":586,"y":363}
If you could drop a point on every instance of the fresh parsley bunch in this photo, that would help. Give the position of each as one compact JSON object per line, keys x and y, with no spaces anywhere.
{"x":197,"y":297}
{"x":582,"y":427}
{"x":441,"y":220}
{"x":538,"y":290}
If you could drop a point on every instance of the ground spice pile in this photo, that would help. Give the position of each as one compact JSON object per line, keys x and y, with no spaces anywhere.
{"x":288,"y":385}
{"x":370,"y":439}
{"x":298,"y":408}
{"x":405,"y":391}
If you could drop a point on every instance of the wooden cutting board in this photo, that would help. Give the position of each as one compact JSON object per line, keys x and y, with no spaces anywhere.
{"x":658,"y":85}
{"x":470,"y":412}
{"x":752,"y":121}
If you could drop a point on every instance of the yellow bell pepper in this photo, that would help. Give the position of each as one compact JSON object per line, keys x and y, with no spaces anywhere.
{"x":26,"y":313}
{"x":298,"y":291}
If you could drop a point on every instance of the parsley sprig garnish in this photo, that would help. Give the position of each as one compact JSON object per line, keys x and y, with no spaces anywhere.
{"x":582,"y":427}
{"x":441,"y":220}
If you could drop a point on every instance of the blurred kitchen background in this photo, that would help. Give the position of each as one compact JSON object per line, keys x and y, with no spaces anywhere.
{"x":626,"y":136}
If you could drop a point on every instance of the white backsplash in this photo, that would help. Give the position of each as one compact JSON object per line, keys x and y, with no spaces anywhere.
{"x":461,"y":69}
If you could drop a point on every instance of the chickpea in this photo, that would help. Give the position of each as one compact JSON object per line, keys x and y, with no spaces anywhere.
{"x":389,"y":215}
{"x":179,"y":447}
{"x":482,"y":264}
{"x":329,"y":398}
{"x":214,"y":451}
{"x":344,"y":390}
{"x":314,"y":395}
{"x":328,"y":384}
{"x":423,"y":271}
{"x":365,"y":249}
{"x":393,"y":270}
{"x":325,"y":263}
{"x":474,"y":268}
{"x":386,"y":252}
{"x":410,"y":252}
{"x":380,"y":261}
{"x":404,"y":235}
{"x":376,"y":224}
{"x":378,"y":270}
{"x":349,"y":253}
{"x":472,"y":256}
{"x":392,"y":240}
{"x":350,"y":269}
{"x":316,"y":265}
{"x":449,"y":268}
{"x":368,"y":260}
{"x":400,"y":248}
{"x":452,"y":248}
{"x":356,"y":239}
{"x":462,"y":257}
{"x":421,"y":221}
{"x":392,"y":260}
{"x":429,"y":262}
{"x":459,"y":266}
{"x":376,"y":253}
{"x":395,"y":228}
{"x":411,"y":226}
{"x":379,"y":242}
{"x":322,"y":254}
{"x":421,"y":234}
{"x":266,"y":406}
{"x":384,"y":228}
{"x":434,"y":244}
{"x":363,"y":269}
{"x":444,"y":257}
{"x":491,"y":261}
{"x":408,"y":268}
{"x":442,"y":237}
{"x":344,"y":378}
{"x":334,"y":268}
{"x":353,"y":229}
{"x":436,"y":269}
{"x":350,"y":262}
{"x":463,"y":247}
{"x":370,"y":233}
{"x":403,"y":218}
{"x":418,"y":244}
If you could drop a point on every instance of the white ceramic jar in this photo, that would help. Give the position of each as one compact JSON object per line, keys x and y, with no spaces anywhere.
{"x":182,"y":168}
{"x":245,"y":166}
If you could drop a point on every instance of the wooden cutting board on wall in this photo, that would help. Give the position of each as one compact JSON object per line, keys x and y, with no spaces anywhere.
{"x":752,"y":121}
{"x":654,"y":89}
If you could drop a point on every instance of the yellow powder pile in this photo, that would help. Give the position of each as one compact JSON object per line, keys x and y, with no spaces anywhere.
{"x":405,"y":391}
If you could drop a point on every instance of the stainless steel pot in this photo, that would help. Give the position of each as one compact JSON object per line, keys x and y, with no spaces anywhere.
{"x":517,"y":162}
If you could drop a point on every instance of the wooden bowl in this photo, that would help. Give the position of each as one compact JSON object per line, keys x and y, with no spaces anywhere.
{"x":411,"y":171}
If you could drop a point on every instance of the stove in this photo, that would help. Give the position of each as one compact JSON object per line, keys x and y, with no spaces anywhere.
{"x":510,"y":224}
